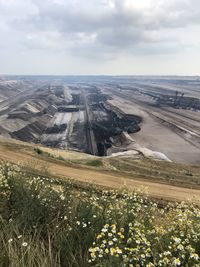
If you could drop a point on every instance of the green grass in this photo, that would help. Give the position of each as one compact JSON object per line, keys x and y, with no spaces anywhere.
{"x":94,"y":163}
{"x":52,"y":223}
{"x":43,"y":153}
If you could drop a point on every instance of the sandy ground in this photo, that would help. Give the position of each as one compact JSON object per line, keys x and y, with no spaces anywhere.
{"x":102,"y":178}
{"x":157,"y":136}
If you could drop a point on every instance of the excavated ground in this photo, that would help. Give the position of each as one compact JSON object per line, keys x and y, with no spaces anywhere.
{"x":152,"y":117}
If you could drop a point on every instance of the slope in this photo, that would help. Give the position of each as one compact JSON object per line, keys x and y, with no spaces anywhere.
{"x":162,"y":180}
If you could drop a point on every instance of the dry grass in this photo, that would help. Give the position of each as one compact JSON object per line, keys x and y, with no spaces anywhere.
{"x":164,"y":180}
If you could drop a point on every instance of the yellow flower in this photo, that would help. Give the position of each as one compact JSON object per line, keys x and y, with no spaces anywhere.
{"x":106,"y":251}
{"x":112,"y":251}
{"x":177,"y":262}
{"x":93,"y":255}
{"x":99,"y":236}
{"x":118,"y":250}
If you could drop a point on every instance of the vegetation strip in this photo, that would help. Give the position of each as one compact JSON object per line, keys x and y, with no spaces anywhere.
{"x":49,"y":222}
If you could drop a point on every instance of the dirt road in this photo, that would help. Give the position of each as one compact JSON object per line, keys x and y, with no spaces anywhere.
{"x":59,"y":169}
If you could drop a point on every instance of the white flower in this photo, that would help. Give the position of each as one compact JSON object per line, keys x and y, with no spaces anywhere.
{"x":177,"y":240}
{"x":62,"y":197}
{"x":167,"y":253}
{"x":177,"y":262}
{"x":24,"y":244}
{"x":194,"y":256}
{"x":180,"y":247}
{"x":10,"y":240}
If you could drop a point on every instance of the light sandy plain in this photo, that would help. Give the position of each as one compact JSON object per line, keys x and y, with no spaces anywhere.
{"x":158,"y":135}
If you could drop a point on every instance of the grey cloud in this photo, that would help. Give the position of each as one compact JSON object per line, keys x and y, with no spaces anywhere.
{"x":103,"y":29}
{"x":116,"y":27}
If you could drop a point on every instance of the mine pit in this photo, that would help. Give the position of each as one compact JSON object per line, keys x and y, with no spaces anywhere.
{"x":77,"y":118}
{"x":87,"y":123}
{"x":105,"y":122}
{"x":109,"y":126}
{"x":56,"y":128}
{"x":106,"y":116}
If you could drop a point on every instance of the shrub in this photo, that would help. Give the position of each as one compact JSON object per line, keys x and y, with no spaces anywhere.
{"x":38,"y":150}
{"x":94,"y":163}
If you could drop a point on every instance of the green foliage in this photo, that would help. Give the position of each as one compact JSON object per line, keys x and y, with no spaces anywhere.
{"x":53,"y":223}
{"x":38,"y":151}
{"x":43,"y":153}
{"x":188,"y":173}
{"x":60,"y":158}
{"x":95,"y":163}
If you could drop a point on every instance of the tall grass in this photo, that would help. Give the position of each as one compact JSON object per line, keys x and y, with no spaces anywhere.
{"x":49,"y":223}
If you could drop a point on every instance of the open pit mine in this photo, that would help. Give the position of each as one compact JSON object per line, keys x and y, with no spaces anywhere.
{"x":156,"y":117}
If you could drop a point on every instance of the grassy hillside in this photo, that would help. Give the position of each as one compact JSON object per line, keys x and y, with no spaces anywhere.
{"x":59,"y":223}
{"x":163,"y":180}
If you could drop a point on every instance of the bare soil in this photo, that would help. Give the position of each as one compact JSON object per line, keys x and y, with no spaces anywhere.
{"x":24,"y":154}
{"x":157,"y":135}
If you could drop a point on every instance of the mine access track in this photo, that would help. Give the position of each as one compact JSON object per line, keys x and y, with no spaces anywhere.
{"x":92,"y":147}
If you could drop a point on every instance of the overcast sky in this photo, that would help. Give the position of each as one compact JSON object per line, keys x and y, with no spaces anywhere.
{"x":100,"y":37}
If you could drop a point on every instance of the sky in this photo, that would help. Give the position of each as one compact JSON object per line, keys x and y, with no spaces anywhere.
{"x":95,"y":37}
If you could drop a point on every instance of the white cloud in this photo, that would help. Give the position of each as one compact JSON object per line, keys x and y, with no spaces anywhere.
{"x":100,"y":29}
